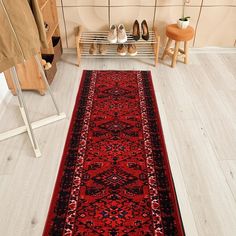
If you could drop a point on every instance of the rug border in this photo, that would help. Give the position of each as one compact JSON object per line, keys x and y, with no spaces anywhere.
{"x":63,"y":158}
{"x":50,"y":213}
{"x":166,"y":158}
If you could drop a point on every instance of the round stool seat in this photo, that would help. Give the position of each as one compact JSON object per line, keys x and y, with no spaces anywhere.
{"x":177,"y":34}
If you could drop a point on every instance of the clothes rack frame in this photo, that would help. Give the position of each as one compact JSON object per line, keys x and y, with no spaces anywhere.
{"x":29,"y":127}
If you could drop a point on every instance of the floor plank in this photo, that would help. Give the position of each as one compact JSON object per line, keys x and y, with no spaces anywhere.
{"x":229,"y":170}
{"x":210,"y":196}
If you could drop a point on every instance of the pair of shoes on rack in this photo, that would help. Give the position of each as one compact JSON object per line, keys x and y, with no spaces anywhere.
{"x":122,"y":49}
{"x":136,"y":30}
{"x":96,"y":48}
{"x":117,"y":34}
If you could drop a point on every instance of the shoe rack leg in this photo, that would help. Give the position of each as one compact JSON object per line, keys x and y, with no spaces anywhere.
{"x":156,"y":45}
{"x":24,"y":112}
{"x":46,"y":82}
{"x":78,"y":48}
{"x":157,"y":50}
{"x":78,"y":45}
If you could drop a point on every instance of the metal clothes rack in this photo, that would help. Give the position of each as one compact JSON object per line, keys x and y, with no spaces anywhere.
{"x":29,"y":127}
{"x":146,"y":49}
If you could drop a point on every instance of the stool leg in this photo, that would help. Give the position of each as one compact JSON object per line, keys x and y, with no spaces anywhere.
{"x":186,"y":52}
{"x":166,"y":48}
{"x":174,"y":58}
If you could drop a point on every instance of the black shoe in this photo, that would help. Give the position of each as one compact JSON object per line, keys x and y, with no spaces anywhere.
{"x":136,"y":31}
{"x":145,"y":32}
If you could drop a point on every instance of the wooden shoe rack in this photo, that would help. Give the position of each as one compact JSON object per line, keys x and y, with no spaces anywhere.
{"x":145,"y":49}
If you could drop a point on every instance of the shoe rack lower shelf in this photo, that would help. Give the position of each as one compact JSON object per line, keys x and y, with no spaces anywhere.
{"x":145,"y":49}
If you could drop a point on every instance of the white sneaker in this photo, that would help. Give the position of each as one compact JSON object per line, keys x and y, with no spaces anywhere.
{"x":112,"y":34}
{"x":121,"y":37}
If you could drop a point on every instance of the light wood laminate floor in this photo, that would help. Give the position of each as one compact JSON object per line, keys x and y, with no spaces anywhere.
{"x":197,"y":105}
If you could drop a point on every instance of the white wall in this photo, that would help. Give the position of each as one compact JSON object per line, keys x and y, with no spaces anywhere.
{"x":3,"y":87}
{"x":213,"y":20}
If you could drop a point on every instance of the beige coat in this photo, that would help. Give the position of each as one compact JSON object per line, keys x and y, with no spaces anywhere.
{"x":21,"y":31}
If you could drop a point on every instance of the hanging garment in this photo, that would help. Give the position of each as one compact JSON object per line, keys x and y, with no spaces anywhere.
{"x":19,"y":32}
{"x":39,"y":21}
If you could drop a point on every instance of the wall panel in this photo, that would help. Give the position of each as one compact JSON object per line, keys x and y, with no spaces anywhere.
{"x":85,"y":3}
{"x":62,"y":27}
{"x":219,"y":3}
{"x":217,"y":27}
{"x":177,"y":2}
{"x":130,"y":14}
{"x":92,"y":19}
{"x":122,"y":3}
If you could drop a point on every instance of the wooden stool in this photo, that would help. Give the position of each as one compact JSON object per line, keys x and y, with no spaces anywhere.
{"x":173,"y":32}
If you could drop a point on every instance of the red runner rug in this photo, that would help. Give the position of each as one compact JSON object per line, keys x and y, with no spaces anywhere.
{"x":114,"y":177}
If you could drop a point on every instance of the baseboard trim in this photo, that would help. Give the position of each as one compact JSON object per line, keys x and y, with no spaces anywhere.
{"x":212,"y":50}
{"x":69,"y":50}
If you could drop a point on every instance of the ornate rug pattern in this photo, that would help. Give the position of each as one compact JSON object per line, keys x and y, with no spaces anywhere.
{"x":114,"y":178}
